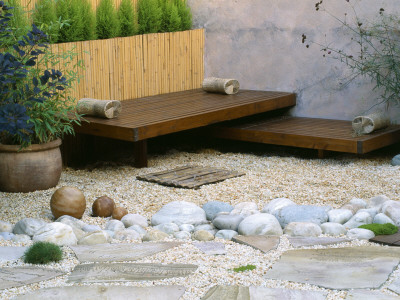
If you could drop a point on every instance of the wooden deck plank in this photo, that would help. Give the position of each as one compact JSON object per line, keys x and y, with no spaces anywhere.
{"x":162,"y":114}
{"x":313,"y":133}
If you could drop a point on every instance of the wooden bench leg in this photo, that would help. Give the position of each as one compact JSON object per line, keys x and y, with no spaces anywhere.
{"x":140,"y":153}
{"x":321,"y":153}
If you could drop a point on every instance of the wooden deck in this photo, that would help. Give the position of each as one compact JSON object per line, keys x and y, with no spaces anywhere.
{"x":320,"y":134}
{"x":153,"y":116}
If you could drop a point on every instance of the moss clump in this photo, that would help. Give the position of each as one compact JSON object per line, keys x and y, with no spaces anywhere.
{"x":244,"y":268}
{"x":381,"y":229}
{"x":42,"y":253}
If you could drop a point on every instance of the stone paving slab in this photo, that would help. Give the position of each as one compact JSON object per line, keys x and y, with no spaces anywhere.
{"x":211,"y":248}
{"x":313,"y":241}
{"x":119,"y":252}
{"x":11,"y":253}
{"x":99,"y":292}
{"x":367,"y":294}
{"x":259,"y":242}
{"x":391,"y":239}
{"x":341,"y":268}
{"x":123,"y":272}
{"x":232,"y":292}
{"x":18,"y":276}
{"x":395,"y":286}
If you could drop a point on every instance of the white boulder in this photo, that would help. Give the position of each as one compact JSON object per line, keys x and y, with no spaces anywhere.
{"x":179,"y":212}
{"x":57,"y":233}
{"x":260,"y":224}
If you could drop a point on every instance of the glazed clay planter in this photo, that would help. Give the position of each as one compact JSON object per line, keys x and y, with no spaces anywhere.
{"x":37,"y":167}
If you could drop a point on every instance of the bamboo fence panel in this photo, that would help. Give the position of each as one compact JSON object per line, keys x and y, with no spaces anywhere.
{"x":137,"y":66}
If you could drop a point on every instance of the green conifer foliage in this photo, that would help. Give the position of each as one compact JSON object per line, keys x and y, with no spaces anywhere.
{"x":63,"y":14}
{"x":185,"y":14}
{"x":106,"y":20}
{"x":149,"y":16}
{"x":171,"y":21}
{"x":127,"y":19}
{"x":89,"y":21}
{"x":44,"y":16}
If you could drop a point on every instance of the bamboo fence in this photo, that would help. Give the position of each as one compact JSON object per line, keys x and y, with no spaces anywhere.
{"x":137,"y":66}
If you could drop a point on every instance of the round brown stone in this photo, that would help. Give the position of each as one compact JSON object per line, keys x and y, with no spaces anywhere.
{"x":119,"y":212}
{"x":103,"y":207}
{"x":68,"y":200}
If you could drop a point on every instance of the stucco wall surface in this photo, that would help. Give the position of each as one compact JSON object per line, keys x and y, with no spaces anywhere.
{"x":259,"y":43}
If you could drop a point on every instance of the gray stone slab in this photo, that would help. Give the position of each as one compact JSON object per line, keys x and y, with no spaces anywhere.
{"x":119,"y":252}
{"x":395,"y":286}
{"x":259,"y":242}
{"x":107,"y":292}
{"x":227,"y":292}
{"x":18,"y":276}
{"x":367,"y":294}
{"x":11,"y":253}
{"x":257,"y":292}
{"x":341,"y":268}
{"x":232,"y":292}
{"x":123,"y":272}
{"x":211,"y":248}
{"x":312,"y":241}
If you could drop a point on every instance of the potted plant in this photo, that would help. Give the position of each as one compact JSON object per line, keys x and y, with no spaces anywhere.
{"x":35,"y":111}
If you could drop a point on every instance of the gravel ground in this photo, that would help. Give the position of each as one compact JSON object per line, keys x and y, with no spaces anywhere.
{"x":304,"y":180}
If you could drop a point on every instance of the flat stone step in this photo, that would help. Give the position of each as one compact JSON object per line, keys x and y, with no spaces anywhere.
{"x":391,"y":240}
{"x":233,"y":292}
{"x":119,"y":252}
{"x":368,"y":294}
{"x":107,"y":292}
{"x":211,"y":248}
{"x":19,"y":276}
{"x":123,"y":272}
{"x":314,"y":241}
{"x":341,"y":268}
{"x":259,"y":242}
{"x":11,"y":253}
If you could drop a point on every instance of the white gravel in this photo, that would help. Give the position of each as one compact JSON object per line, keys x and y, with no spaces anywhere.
{"x":305,"y":181}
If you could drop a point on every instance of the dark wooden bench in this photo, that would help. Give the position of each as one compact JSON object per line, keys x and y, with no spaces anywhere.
{"x":320,"y":134}
{"x":154,"y":116}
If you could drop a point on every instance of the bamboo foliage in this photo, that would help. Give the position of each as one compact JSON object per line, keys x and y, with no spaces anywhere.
{"x":138,"y":66}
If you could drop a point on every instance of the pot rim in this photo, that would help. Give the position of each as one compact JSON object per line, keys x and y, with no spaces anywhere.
{"x":32,"y":148}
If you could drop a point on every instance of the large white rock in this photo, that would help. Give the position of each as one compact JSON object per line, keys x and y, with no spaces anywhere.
{"x":71,"y":221}
{"x":138,"y":229}
{"x":358,"y":219}
{"x":57,"y":233}
{"x":93,"y":238}
{"x":180,"y":212}
{"x":276,"y":204}
{"x":303,"y":229}
{"x":169,"y":228}
{"x":134,"y":219}
{"x":392,"y":210}
{"x":377,"y":201}
{"x":245,"y":209}
{"x":382,"y":219}
{"x":340,"y":215}
{"x":114,"y":225}
{"x":127,"y":234}
{"x":334,"y":229}
{"x":260,"y":224}
{"x":357,"y":202}
{"x":372,"y":211}
{"x":360,"y":233}
{"x":28,"y":226}
{"x":226,"y":234}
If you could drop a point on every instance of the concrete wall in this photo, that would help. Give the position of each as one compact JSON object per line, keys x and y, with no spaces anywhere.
{"x":258,"y":42}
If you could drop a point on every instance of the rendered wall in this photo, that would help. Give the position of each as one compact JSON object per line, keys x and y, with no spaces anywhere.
{"x":258,"y":42}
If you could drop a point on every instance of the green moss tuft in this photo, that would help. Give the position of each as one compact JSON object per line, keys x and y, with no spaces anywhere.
{"x":244,"y":268}
{"x":43,"y":253}
{"x":381,"y":229}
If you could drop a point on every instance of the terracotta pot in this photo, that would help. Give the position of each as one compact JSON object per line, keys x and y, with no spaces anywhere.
{"x":37,"y":167}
